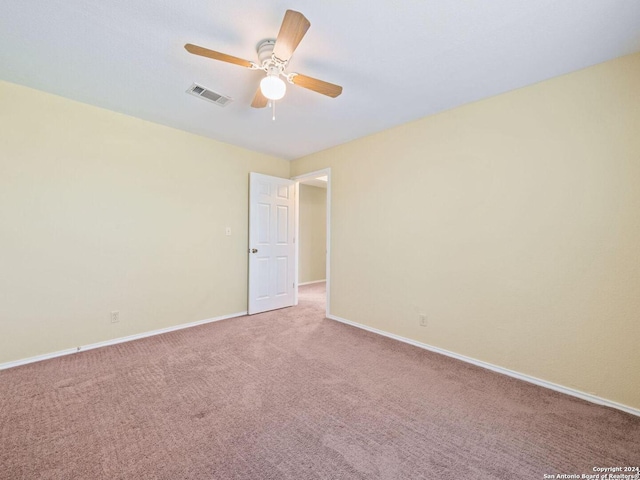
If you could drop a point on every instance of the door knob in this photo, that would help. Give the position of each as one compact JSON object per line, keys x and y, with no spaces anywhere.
{"x":254,"y":250}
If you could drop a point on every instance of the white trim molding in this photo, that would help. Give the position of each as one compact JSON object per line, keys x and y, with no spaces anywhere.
{"x":505,"y":371}
{"x":311,"y":283}
{"x":115,"y":341}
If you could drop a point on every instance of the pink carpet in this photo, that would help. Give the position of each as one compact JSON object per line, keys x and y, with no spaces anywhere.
{"x":291,"y":395}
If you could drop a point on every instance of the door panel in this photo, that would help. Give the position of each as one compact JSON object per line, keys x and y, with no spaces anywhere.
{"x":282,"y":276}
{"x":282,"y":225}
{"x":271,"y":243}
{"x":264,"y":211}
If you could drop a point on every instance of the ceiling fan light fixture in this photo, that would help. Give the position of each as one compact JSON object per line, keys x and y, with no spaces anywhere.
{"x":273,"y":87}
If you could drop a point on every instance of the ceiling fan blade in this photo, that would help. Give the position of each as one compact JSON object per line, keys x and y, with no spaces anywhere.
{"x":316,"y":85}
{"x":294,"y":26}
{"x":259,"y":100}
{"x":223,"y":57}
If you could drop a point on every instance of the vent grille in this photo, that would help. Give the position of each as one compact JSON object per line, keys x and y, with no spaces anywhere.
{"x":209,"y":95}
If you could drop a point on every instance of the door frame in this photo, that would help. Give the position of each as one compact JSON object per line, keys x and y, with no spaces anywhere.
{"x":298,"y":179}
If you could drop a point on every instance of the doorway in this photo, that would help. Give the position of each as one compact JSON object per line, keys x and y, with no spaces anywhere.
{"x":313,"y":238}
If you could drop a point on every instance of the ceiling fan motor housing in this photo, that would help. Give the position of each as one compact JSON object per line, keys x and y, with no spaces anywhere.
{"x":265,"y":51}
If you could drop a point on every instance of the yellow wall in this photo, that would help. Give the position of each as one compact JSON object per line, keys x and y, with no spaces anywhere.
{"x":312,"y":234}
{"x":101,"y":212}
{"x":513,"y":223}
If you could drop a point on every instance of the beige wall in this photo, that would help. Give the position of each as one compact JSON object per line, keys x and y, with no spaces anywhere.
{"x":101,"y":212}
{"x":513,"y":223}
{"x":312,"y":234}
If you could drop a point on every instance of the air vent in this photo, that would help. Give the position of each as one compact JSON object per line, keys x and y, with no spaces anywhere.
{"x":209,"y":95}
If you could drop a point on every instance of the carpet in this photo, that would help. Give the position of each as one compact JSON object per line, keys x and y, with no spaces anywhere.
{"x":289,"y":394}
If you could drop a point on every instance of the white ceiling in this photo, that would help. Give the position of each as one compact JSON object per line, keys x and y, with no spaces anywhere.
{"x":397,"y":60}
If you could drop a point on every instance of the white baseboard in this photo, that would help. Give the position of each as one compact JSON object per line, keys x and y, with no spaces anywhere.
{"x":106,"y":343}
{"x":505,"y":371}
{"x":311,"y":283}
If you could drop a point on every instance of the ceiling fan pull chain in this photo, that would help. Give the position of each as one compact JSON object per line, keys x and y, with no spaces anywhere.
{"x":273,"y":105}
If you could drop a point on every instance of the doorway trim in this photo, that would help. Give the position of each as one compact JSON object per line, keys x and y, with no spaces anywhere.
{"x":298,"y":179}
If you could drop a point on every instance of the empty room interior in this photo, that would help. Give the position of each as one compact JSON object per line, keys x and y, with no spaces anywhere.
{"x":320,"y":240}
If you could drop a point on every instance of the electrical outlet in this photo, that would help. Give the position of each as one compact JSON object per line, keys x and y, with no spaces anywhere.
{"x":115,"y":317}
{"x":227,"y":231}
{"x":423,"y":320}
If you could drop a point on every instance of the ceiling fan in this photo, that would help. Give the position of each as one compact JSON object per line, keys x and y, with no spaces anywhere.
{"x":274,"y":56}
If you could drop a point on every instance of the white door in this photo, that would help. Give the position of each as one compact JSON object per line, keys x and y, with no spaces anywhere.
{"x":271,"y":243}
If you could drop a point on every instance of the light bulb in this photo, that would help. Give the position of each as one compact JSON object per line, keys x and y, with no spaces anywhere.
{"x":273,"y":87}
